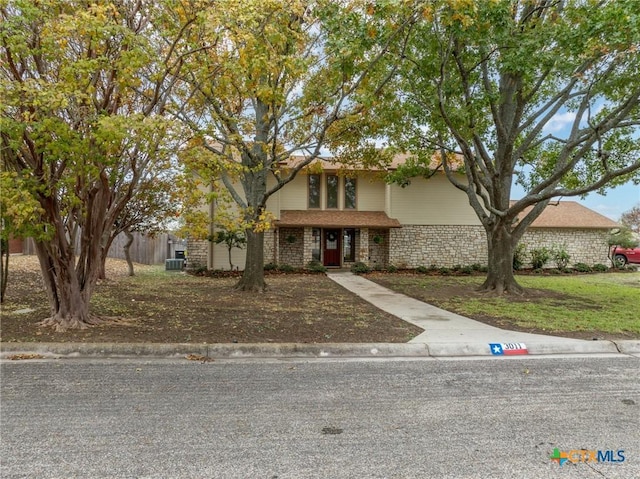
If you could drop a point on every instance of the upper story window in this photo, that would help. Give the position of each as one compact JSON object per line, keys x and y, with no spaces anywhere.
{"x":332,"y":191}
{"x":314,"y":191}
{"x":349,"y":193}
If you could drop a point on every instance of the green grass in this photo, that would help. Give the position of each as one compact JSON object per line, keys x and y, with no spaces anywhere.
{"x":599,"y":302}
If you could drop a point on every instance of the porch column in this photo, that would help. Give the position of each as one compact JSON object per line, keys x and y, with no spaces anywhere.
{"x":363,"y":250}
{"x":307,"y":246}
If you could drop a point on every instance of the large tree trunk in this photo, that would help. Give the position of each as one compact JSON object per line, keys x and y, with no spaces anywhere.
{"x":500,"y":278}
{"x":68,"y":294}
{"x":253,"y":274}
{"x":127,"y":251}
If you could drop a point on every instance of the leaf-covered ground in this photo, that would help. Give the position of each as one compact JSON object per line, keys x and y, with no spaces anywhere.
{"x":173,"y":307}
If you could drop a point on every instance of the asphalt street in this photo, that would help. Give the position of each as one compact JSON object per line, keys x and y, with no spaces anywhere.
{"x":322,"y":418}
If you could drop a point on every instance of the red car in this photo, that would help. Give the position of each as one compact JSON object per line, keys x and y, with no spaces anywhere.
{"x":623,"y":256}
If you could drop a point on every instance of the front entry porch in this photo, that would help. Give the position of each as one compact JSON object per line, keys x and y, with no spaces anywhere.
{"x":335,"y":238}
{"x":332,"y":247}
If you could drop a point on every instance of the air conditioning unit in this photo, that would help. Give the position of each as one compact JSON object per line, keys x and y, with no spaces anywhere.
{"x":174,"y":264}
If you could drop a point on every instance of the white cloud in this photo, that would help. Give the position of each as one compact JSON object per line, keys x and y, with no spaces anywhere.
{"x":559,"y":121}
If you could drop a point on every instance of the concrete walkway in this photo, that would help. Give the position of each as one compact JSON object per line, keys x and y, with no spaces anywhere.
{"x":449,"y":334}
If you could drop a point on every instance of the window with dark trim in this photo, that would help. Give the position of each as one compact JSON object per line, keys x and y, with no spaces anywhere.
{"x":349,"y":244}
{"x":332,"y":191}
{"x":314,"y":191}
{"x":349,"y":193}
{"x":315,"y":242}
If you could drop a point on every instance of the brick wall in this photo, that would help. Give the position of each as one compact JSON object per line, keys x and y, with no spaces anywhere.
{"x":15,"y":245}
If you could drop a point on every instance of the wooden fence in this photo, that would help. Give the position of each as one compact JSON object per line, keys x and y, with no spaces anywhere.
{"x":144,"y":250}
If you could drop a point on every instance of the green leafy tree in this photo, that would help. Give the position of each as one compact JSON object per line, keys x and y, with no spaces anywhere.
{"x":83,"y":89}
{"x":20,"y":216}
{"x":482,"y":84}
{"x":270,"y":83}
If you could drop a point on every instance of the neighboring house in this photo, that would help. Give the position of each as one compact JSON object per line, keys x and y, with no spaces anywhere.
{"x":339,"y":218}
{"x":16,"y":245}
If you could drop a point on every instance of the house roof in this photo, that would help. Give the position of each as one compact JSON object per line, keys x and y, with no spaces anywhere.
{"x":336,"y":219}
{"x":570,"y":214}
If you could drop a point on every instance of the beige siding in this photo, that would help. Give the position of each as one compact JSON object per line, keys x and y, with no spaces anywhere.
{"x":221,"y":257}
{"x":370,"y":193}
{"x":387,"y":200}
{"x":293,"y":196}
{"x":431,"y":202}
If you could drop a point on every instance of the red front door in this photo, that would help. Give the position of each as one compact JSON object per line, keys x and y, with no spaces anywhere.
{"x":331,"y":247}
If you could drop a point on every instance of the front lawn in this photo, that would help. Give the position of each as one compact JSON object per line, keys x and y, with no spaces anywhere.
{"x":603,"y":305}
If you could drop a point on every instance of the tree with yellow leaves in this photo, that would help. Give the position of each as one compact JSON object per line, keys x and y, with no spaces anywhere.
{"x":267,"y":81}
{"x":83,"y":88}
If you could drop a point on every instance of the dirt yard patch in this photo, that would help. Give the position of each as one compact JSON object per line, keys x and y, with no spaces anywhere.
{"x":157,"y":306}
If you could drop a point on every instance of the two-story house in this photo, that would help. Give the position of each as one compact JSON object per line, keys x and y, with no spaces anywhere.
{"x":341,"y":217}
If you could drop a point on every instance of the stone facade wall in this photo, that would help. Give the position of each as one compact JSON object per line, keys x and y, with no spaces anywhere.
{"x":291,"y":249}
{"x":419,"y":245}
{"x":270,"y":247}
{"x":422,"y":245}
{"x":307,"y":254}
{"x":378,"y":252}
{"x":583,"y":245}
{"x":197,"y":254}
{"x":362,"y":246}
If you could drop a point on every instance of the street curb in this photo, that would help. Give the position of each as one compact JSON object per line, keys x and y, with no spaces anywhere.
{"x":303,"y":350}
{"x":219,"y":350}
{"x":629,"y":346}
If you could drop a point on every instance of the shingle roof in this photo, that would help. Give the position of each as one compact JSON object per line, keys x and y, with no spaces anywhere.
{"x":570,"y":214}
{"x":336,"y":218}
